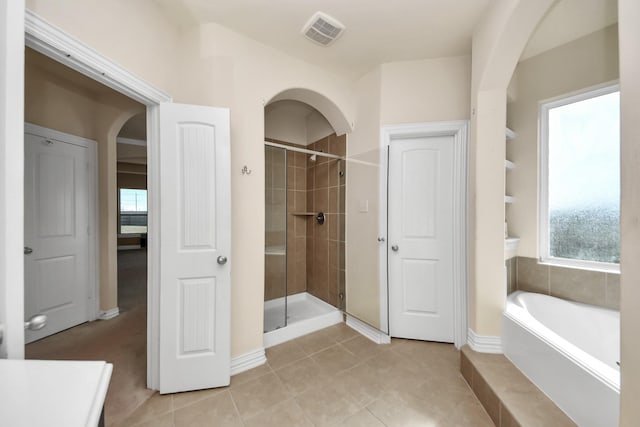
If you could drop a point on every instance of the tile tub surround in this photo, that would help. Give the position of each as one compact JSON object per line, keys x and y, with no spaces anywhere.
{"x":507,"y":395}
{"x":333,"y":377}
{"x":585,"y":286}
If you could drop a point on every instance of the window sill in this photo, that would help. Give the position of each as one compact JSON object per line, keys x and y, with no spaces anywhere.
{"x":601,"y":267}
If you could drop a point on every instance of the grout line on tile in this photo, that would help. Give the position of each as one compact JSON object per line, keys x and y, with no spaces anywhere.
{"x":235,"y":406}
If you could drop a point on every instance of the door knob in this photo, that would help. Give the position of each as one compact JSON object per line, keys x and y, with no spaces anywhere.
{"x":394,"y":248}
{"x":36,"y":322}
{"x":222,"y":260}
{"x":28,"y":250}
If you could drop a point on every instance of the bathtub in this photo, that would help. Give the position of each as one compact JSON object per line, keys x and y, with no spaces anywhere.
{"x":569,"y":351}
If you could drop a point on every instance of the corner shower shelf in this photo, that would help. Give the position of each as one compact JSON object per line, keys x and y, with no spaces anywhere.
{"x":509,"y":199}
{"x":509,"y":134}
{"x":510,"y":247}
{"x":509,"y":164}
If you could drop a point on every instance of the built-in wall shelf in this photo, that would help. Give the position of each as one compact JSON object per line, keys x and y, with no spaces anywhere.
{"x":510,"y":243}
{"x":511,"y":247}
{"x":303,"y":213}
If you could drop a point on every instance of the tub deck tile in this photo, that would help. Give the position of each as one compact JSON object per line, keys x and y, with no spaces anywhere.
{"x":517,"y":401}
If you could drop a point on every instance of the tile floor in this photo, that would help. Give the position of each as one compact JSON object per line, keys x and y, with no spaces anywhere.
{"x":333,"y":377}
{"x":121,"y":341}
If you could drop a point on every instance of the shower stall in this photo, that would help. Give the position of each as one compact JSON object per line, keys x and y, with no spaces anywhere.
{"x":304,"y":237}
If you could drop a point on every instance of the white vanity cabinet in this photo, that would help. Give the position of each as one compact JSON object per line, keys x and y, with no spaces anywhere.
{"x":52,"y":392}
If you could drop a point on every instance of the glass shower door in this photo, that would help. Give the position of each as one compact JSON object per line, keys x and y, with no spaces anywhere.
{"x":275,"y":254}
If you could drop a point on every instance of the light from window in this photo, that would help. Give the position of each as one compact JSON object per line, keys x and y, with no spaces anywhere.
{"x":133,"y":211}
{"x":583,"y":182}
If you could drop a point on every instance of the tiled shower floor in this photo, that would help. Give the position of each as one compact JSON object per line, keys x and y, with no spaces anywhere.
{"x":300,"y":307}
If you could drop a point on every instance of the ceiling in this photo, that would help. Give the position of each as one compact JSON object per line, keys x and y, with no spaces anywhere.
{"x":569,"y":20}
{"x":377,"y":31}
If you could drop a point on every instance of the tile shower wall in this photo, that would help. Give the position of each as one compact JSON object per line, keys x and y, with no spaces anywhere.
{"x":325,"y":243}
{"x":315,"y":259}
{"x":275,"y":224}
{"x":585,"y":286}
{"x":296,"y":222}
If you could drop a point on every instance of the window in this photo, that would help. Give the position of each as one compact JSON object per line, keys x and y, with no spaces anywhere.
{"x":133,"y":211}
{"x":580,"y":179}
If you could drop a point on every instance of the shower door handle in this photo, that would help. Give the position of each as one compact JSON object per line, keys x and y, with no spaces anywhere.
{"x":222,"y":260}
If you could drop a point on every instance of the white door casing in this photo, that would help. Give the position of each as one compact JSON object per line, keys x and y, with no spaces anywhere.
{"x":60,"y":229}
{"x":11,"y":178}
{"x":414,"y":255}
{"x":421,"y":238}
{"x":49,"y":40}
{"x":196,"y":241}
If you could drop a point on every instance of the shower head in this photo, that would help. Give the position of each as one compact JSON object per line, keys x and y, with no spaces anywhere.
{"x":313,"y":157}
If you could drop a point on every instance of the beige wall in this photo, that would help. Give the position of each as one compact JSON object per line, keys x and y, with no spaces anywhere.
{"x":629,"y":16}
{"x":295,"y":123}
{"x":52,"y":100}
{"x":588,"y":61}
{"x":426,"y":91}
{"x":362,"y":276}
{"x":248,"y":93}
{"x":286,"y":121}
{"x":208,"y":65}
{"x":317,"y":127}
{"x":394,"y":93}
{"x":498,"y":41}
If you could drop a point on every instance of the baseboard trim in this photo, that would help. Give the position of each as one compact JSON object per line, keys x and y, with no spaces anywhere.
{"x":108,"y":314}
{"x":247,"y":361}
{"x":484,"y":343}
{"x":368,"y":331}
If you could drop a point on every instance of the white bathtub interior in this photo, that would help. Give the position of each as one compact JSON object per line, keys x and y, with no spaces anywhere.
{"x":305,"y":314}
{"x":569,"y":351}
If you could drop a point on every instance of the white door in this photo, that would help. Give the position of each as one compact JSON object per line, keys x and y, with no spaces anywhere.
{"x":195,"y":225}
{"x":420,"y":238}
{"x":57,"y":203}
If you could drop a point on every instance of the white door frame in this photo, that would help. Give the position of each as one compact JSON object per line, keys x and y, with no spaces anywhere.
{"x":11,"y":179}
{"x":93,"y":301}
{"x":60,"y":46}
{"x":459,"y":130}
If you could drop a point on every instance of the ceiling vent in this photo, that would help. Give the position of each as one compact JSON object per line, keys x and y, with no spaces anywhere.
{"x":322,"y":29}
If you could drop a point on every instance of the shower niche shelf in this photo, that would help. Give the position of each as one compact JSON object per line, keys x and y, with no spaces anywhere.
{"x":304,"y":213}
